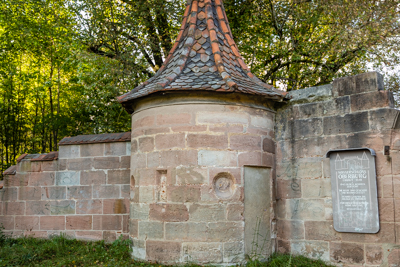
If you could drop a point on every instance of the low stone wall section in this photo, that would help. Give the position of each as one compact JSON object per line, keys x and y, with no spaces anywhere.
{"x":84,"y":193}
{"x":352,"y":112}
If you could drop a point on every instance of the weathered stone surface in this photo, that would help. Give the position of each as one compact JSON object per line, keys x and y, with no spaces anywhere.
{"x":245,"y":142}
{"x":106,"y":191}
{"x":79,"y":222}
{"x":116,"y":149}
{"x":79,"y":164}
{"x":69,"y":152}
{"x":217,"y":158}
{"x":207,"y":141}
{"x":163,"y":251}
{"x":92,"y":177}
{"x":207,"y":213}
{"x":146,"y":194}
{"x":235,"y":212}
{"x":288,"y":188}
{"x":79,"y":192}
{"x":115,"y":206}
{"x":13,"y":208}
{"x":183,"y":194}
{"x":290,"y":230}
{"x":268,"y":145}
{"x":311,"y":249}
{"x":394,"y":258}
{"x":52,"y":223}
{"x":386,"y":234}
{"x":89,"y":235}
{"x":92,"y":206}
{"x":371,"y":100}
{"x":349,"y":253}
{"x":139,"y":211}
{"x":28,"y":223}
{"x":186,"y":231}
{"x":365,"y":82}
{"x":374,"y":254}
{"x":36,"y":208}
{"x":118,"y":176}
{"x":109,"y":236}
{"x":168,"y":119}
{"x":176,"y":157}
{"x":305,"y":209}
{"x":62,"y":207}
{"x":202,"y":253}
{"x":54,"y":192}
{"x":168,"y":141}
{"x":151,"y":230}
{"x":107,"y":222}
{"x":316,"y":188}
{"x":41,"y":179}
{"x":30,"y":193}
{"x":102,"y":163}
{"x":225,"y":231}
{"x":146,"y":144}
{"x":222,"y":117}
{"x":349,"y":123}
{"x":68,"y":178}
{"x":317,"y":230}
{"x":7,"y":222}
{"x":169,"y":212}
{"x":311,"y":94}
{"x":253,"y":158}
{"x":92,"y":150}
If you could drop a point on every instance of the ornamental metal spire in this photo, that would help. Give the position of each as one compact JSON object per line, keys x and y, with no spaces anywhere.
{"x":204,"y":58}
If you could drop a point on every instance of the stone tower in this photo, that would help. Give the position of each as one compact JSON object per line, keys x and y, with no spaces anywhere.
{"x":202,"y":150}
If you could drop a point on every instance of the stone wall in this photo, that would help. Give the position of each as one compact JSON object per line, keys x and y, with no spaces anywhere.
{"x":352,"y":112}
{"x":82,"y":191}
{"x":179,"y":213}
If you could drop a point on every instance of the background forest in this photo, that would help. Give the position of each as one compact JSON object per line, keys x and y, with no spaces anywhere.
{"x":63,"y":62}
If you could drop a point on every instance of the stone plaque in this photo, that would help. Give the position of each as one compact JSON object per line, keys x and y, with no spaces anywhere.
{"x":354,"y":191}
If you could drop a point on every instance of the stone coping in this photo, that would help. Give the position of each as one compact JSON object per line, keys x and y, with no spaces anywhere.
{"x":96,"y":138}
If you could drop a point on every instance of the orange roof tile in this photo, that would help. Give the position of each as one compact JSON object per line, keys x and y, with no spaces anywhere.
{"x":204,"y":57}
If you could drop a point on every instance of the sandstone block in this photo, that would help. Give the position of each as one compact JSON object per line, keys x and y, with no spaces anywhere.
{"x":253,"y":158}
{"x":349,"y":253}
{"x":68,"y":178}
{"x":235,"y":212}
{"x":69,"y":152}
{"x":163,"y":251}
{"x":371,"y":100}
{"x":102,"y":163}
{"x":305,"y":209}
{"x":79,"y":222}
{"x":231,"y":128}
{"x":139,"y":211}
{"x":157,"y":130}
{"x":145,"y":177}
{"x":261,"y":122}
{"x":207,"y":213}
{"x":146,"y":144}
{"x":62,"y":207}
{"x":169,"y":212}
{"x":36,"y":234}
{"x":48,"y":166}
{"x":106,"y":191}
{"x":202,"y":253}
{"x":41,"y":178}
{"x":93,"y":177}
{"x":190,"y":175}
{"x":311,"y":249}
{"x":268,"y":145}
{"x":79,"y":164}
{"x":222,"y":117}
{"x":350,"y":123}
{"x":30,"y":193}
{"x":125,"y":191}
{"x":7,"y":222}
{"x":27,"y":223}
{"x":151,"y":230}
{"x":233,"y":252}
{"x":245,"y":142}
{"x":283,"y":246}
{"x":109,"y":236}
{"x":290,"y":230}
{"x":133,"y":147}
{"x":79,"y":192}
{"x":195,"y":128}
{"x":142,"y":122}
{"x":54,"y":192}
{"x":52,"y":223}
{"x":89,"y":235}
{"x":92,"y":150}
{"x":316,"y":188}
{"x":235,"y":172}
{"x":115,"y":206}
{"x":133,"y":228}
{"x":183,"y":194}
{"x":187,"y":231}
{"x":207,"y":140}
{"x":217,"y":158}
{"x":168,"y":119}
{"x":394,"y":258}
{"x":107,"y":222}
{"x":153,"y":160}
{"x":118,"y":177}
{"x":365,"y":82}
{"x":374,"y":254}
{"x":225,"y":231}
{"x":308,"y":128}
{"x":13,"y":208}
{"x":386,"y":209}
{"x":337,"y":106}
{"x":125,"y":162}
{"x":385,"y":235}
{"x":125,"y":224}
{"x":168,"y":141}
{"x":116,"y":149}
{"x":38,"y":208}
{"x":177,"y":157}
{"x":317,"y":230}
{"x":92,"y":206}
{"x":288,"y":188}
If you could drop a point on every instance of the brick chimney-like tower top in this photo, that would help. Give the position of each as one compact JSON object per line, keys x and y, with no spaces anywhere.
{"x":204,"y":57}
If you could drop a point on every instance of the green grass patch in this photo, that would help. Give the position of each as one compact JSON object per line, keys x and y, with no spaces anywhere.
{"x":62,"y":251}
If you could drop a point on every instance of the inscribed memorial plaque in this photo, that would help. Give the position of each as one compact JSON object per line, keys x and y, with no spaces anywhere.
{"x":354,"y":191}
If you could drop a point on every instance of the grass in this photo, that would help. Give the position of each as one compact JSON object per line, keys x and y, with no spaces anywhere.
{"x":62,"y":251}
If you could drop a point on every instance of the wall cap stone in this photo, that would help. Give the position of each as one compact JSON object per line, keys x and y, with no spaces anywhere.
{"x":311,"y":94}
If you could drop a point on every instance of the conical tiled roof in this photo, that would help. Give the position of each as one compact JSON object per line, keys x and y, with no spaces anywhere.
{"x":204,"y":57}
